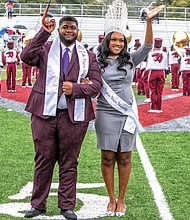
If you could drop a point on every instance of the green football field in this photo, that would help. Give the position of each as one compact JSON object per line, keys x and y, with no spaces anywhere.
{"x":158,"y":187}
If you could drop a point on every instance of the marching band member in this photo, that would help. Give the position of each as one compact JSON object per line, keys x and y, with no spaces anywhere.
{"x":11,"y":59}
{"x":1,"y":65}
{"x":138,"y":77}
{"x":157,"y":63}
{"x":27,"y":74}
{"x":139,"y":80}
{"x":174,"y":65}
{"x":145,"y":74}
{"x":94,"y":49}
{"x":185,"y":72}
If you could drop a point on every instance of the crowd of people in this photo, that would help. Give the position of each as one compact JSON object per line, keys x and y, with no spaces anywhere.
{"x":60,"y":103}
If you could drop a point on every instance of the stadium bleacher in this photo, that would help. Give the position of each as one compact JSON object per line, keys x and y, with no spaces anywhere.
{"x":92,"y":26}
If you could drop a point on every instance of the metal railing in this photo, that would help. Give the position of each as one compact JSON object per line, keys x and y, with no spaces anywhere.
{"x":87,"y":10}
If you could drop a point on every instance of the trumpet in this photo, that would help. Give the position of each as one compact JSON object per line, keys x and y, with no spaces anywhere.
{"x":180,"y":40}
{"x":29,"y":36}
{"x":128,"y":36}
{"x":79,"y":38}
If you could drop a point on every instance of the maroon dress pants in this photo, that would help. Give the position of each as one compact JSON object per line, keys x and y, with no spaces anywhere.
{"x":175,"y":75}
{"x":26,"y":69}
{"x":156,"y":85}
{"x":145,"y":83}
{"x":56,"y":139}
{"x":186,"y":82}
{"x":11,"y":76}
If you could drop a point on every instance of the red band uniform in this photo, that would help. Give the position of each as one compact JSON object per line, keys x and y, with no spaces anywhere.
{"x":27,"y":74}
{"x":11,"y":59}
{"x":145,"y":74}
{"x":157,"y":63}
{"x":185,"y":71}
{"x":174,"y":68}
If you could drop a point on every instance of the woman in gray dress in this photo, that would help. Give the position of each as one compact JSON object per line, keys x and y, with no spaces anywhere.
{"x":116,"y":123}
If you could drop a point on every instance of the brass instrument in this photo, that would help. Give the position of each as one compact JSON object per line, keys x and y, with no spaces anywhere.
{"x":79,"y":38}
{"x":128,"y":36}
{"x":30,"y":34}
{"x":180,"y":40}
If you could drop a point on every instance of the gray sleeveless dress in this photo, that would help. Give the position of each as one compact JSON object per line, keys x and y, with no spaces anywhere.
{"x":109,"y":122}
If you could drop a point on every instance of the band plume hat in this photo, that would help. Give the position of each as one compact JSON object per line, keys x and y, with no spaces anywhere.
{"x":137,"y":40}
{"x":158,"y":42}
{"x":10,"y":44}
{"x":116,"y":17}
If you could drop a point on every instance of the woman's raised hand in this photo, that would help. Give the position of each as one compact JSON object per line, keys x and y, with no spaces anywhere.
{"x":152,"y":13}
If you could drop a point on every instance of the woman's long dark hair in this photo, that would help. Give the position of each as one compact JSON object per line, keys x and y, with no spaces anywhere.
{"x":104,"y":52}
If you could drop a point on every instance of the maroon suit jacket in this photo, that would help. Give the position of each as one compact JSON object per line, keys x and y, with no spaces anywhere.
{"x":35,"y":54}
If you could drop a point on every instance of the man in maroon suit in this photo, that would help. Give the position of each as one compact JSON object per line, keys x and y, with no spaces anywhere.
{"x":61,"y":109}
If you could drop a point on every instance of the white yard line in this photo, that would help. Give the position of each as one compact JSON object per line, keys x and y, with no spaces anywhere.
{"x":159,"y":197}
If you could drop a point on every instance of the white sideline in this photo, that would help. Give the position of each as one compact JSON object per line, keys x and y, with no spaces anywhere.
{"x":159,"y":197}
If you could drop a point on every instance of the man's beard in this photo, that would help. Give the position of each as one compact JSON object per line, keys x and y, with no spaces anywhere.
{"x":67,"y":42}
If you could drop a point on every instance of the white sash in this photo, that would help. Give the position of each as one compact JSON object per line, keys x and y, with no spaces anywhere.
{"x":79,"y":112}
{"x":52,"y":79}
{"x":116,"y":102}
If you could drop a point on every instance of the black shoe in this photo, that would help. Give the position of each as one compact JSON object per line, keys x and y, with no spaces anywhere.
{"x":68,"y":214}
{"x":33,"y":213}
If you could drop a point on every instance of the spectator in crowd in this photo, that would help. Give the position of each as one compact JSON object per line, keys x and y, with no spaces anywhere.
{"x":9,"y":9}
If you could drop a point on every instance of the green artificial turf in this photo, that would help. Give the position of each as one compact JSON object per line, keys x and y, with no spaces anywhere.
{"x":168,"y":152}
